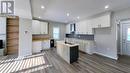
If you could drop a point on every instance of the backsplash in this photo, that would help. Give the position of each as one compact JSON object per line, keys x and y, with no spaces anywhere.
{"x":80,"y":36}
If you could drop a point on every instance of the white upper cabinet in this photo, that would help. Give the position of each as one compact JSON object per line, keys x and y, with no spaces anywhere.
{"x":44,"y":27}
{"x":106,"y":21}
{"x":36,"y":27}
{"x":39,"y":27}
{"x":102,"y":21}
{"x":68,"y":28}
{"x":89,"y":27}
{"x":84,"y":27}
{"x":80,"y":27}
{"x":94,"y":23}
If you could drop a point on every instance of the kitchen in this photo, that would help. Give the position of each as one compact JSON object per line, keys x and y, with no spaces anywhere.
{"x":81,"y":33}
{"x":65,"y":36}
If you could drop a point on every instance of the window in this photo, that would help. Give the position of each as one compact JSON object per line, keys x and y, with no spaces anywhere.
{"x":56,"y":33}
{"x":128,"y":34}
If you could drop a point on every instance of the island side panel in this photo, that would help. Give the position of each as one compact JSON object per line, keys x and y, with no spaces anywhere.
{"x":66,"y":53}
{"x":74,"y":54}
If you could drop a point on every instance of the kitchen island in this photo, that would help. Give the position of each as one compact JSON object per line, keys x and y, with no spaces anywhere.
{"x":68,"y":51}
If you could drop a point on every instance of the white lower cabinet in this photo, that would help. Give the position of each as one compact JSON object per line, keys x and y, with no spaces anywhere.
{"x":40,"y":45}
{"x":37,"y":46}
{"x":84,"y":45}
{"x":2,"y":52}
{"x":46,"y":44}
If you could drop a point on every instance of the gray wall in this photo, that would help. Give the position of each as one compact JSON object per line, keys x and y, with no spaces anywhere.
{"x":62,"y":27}
{"x":106,"y":38}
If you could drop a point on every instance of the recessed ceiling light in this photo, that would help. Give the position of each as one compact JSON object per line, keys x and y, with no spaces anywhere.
{"x":68,"y":14}
{"x":107,"y":6}
{"x":39,"y":17}
{"x":42,"y":7}
{"x":78,"y":17}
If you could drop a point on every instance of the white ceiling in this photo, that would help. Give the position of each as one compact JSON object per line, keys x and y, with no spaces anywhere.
{"x":56,"y":10}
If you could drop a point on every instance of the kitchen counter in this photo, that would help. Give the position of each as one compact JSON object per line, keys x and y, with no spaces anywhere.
{"x":67,"y":44}
{"x":87,"y":46}
{"x":68,"y":51}
{"x":40,"y":42}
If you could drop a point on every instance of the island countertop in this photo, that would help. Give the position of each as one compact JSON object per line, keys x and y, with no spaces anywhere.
{"x":67,"y":44}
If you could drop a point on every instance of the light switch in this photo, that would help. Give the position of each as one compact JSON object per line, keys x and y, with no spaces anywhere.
{"x":26,"y":32}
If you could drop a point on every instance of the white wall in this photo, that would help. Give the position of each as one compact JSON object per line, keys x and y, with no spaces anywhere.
{"x":106,"y":42}
{"x":23,"y":9}
{"x":25,"y":37}
{"x":106,"y":38}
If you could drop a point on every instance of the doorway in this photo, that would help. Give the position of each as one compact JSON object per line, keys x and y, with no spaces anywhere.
{"x":125,"y":37}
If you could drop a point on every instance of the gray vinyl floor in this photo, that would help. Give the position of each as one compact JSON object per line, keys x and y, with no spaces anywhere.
{"x":50,"y":62}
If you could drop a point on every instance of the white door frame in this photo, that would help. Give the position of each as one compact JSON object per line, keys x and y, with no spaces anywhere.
{"x":122,"y":22}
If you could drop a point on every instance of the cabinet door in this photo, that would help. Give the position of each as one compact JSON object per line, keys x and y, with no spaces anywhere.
{"x":44,"y":27}
{"x":46,"y":44}
{"x":68,"y":28}
{"x":37,"y":46}
{"x":59,"y":48}
{"x":77,"y":28}
{"x":84,"y":27}
{"x":89,"y":29}
{"x":81,"y":27}
{"x":36,"y":27}
{"x":102,"y":21}
{"x":105,"y":21}
{"x":46,"y":31}
{"x":95,"y":23}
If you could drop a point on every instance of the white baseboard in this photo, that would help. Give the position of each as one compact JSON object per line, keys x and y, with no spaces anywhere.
{"x":115,"y":58}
